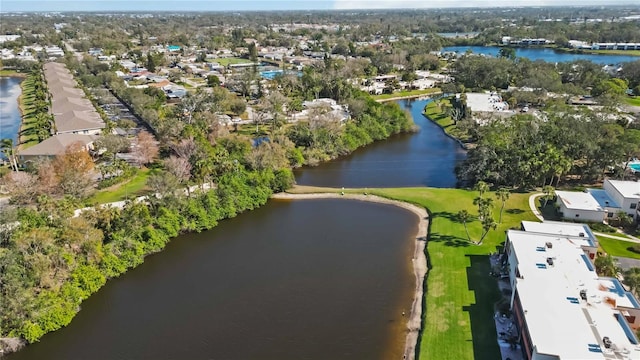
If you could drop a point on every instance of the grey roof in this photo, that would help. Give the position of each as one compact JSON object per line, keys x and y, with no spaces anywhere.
{"x":70,"y":104}
{"x":72,"y":111}
{"x":56,"y":144}
{"x":78,"y":121}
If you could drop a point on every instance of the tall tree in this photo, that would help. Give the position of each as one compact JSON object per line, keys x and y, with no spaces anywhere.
{"x":503,"y":195}
{"x":549,"y":193}
{"x":146,"y":149}
{"x":632,"y":279}
{"x":6,"y":146}
{"x":73,"y":169}
{"x":606,"y":265}
{"x":464,"y":217}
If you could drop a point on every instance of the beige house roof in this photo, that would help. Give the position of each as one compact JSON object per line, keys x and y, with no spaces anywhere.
{"x":71,"y":110}
{"x":70,"y":104}
{"x":78,"y":121}
{"x":57,"y":144}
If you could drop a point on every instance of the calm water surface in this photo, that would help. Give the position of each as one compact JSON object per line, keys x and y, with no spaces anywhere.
{"x":10,"y":117}
{"x":312,"y":279}
{"x":548,"y":55}
{"x":426,"y":158}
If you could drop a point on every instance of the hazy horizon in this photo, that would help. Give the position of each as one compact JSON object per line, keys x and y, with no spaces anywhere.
{"x":275,"y":5}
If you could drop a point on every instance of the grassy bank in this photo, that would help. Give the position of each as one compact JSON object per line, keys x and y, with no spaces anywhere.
{"x":615,"y":247}
{"x":12,"y":73}
{"x":459,"y":294}
{"x":28,"y":136}
{"x":132,"y":188}
{"x":434,"y":111}
{"x":404,"y":94}
{"x":632,"y":100}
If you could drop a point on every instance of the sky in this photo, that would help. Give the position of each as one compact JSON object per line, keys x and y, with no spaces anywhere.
{"x":245,"y":5}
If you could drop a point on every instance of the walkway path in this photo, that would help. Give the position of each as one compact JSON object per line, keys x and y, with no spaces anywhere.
{"x":534,"y":208}
{"x":419,"y":258}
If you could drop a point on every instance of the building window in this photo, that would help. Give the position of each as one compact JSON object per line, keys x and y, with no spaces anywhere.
{"x":577,"y":215}
{"x":610,"y":214}
{"x":633,"y":205}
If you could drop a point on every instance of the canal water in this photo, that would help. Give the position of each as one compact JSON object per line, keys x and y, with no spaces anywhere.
{"x":548,"y":55}
{"x":426,"y":158}
{"x":10,"y":117}
{"x":308,"y":279}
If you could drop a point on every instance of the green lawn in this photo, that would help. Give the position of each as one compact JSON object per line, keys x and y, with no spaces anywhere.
{"x":28,"y":136}
{"x":227,"y":61}
{"x":130,"y":189}
{"x":13,"y":73}
{"x":459,"y":294}
{"x":434,"y":111}
{"x":632,"y":100}
{"x":406,"y":93}
{"x":615,"y":247}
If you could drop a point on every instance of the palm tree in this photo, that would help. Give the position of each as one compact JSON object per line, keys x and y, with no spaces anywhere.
{"x":464,"y":216}
{"x":606,"y":266}
{"x":487,"y":224}
{"x":632,"y":279}
{"x":6,"y":146}
{"x":503,"y":195}
{"x":549,"y":193}
{"x":482,"y":187}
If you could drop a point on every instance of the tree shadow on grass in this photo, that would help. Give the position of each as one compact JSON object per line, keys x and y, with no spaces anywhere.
{"x":487,"y":293}
{"x":449,"y":240}
{"x":514,"y":211}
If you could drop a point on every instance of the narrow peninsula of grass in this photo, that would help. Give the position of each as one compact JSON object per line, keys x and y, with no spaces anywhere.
{"x":620,"y":248}
{"x":459,"y":293}
{"x":406,"y":94}
{"x":436,"y":113}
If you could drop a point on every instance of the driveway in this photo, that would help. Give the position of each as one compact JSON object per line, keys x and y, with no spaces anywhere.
{"x":627,"y":263}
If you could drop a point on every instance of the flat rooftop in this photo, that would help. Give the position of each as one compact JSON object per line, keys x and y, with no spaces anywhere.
{"x":628,"y":189}
{"x":579,"y":200}
{"x":603,"y":199}
{"x":560,"y":322}
{"x":562,"y":229}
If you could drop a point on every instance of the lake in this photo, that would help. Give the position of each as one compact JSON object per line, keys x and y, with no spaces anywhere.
{"x":10,"y":117}
{"x":548,"y":55}
{"x":425,"y":158}
{"x":307,"y":279}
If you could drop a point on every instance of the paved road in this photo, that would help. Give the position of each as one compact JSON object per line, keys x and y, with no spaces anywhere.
{"x":627,"y":263}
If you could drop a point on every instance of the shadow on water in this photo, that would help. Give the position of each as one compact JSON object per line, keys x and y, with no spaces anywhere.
{"x":487,"y":293}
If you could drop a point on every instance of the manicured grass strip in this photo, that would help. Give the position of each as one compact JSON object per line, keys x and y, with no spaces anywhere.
{"x":28,"y":136}
{"x":227,"y":61}
{"x":405,"y":93}
{"x":133,"y":188}
{"x":632,"y":100}
{"x":615,"y":247}
{"x":459,"y":294}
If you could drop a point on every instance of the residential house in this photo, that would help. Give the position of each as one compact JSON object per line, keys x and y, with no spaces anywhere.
{"x":600,"y":204}
{"x":53,"y":146}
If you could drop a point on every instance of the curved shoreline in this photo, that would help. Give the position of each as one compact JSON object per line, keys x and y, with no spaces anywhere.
{"x":414,"y":324}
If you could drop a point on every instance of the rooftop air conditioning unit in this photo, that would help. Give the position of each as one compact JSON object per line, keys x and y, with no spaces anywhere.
{"x":549,"y":244}
{"x":550,"y":261}
{"x":583,"y":294}
{"x":581,"y":234}
{"x":607,"y":342}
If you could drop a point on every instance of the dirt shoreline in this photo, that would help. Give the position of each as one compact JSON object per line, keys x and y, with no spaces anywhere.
{"x":419,"y":257}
